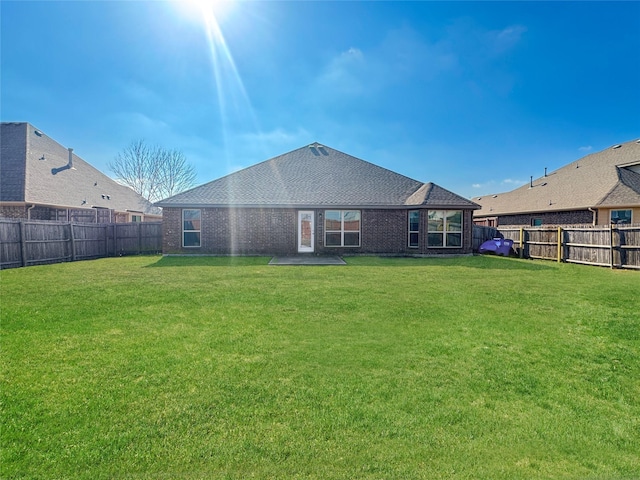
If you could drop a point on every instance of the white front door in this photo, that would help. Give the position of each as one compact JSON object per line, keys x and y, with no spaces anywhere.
{"x":306,"y":231}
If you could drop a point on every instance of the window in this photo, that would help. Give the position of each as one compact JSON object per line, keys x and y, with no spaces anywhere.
{"x":414,"y":227}
{"x":342,"y":228}
{"x":444,"y":228}
{"x":136,"y":218}
{"x":191,"y":228}
{"x":536,"y":222}
{"x":621,"y":216}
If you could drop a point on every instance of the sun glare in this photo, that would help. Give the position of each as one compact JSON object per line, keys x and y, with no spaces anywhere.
{"x":197,"y":9}
{"x":231,"y":96}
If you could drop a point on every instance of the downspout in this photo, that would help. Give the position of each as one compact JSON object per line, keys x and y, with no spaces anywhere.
{"x":29,"y":211}
{"x":595,"y":216}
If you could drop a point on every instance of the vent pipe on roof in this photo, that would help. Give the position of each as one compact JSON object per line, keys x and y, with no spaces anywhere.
{"x":545,"y":171}
{"x":531,"y":181}
{"x":70,"y":164}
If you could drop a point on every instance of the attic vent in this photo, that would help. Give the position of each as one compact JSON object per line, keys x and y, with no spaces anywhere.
{"x":495,"y":196}
{"x":616,"y":146}
{"x":38,"y":133}
{"x":543,"y":184}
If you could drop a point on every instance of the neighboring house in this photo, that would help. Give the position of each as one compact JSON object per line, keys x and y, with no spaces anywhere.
{"x":42,"y":180}
{"x":598,"y":189}
{"x":317,"y":200}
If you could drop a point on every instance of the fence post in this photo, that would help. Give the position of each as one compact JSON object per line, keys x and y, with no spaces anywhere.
{"x":139,"y":224}
{"x":521,"y":242}
{"x":559,"y":244}
{"x":611,"y":244}
{"x":72,"y":238}
{"x":23,"y":244}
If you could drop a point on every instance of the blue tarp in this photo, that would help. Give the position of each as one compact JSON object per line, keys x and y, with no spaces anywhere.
{"x":499,"y":246}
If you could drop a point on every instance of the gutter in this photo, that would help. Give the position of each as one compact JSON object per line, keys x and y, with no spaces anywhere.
{"x":323,"y":207}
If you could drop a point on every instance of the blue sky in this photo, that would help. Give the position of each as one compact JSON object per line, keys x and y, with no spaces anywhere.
{"x":475,"y":97}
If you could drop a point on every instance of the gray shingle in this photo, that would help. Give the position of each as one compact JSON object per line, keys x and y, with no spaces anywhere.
{"x":313,"y":175}
{"x":38,"y":174}
{"x":595,"y":180}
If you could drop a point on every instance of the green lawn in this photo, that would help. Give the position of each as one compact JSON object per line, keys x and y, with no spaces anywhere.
{"x":200,"y":368}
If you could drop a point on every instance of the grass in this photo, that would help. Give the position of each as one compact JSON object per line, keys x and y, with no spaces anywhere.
{"x":198,"y":368}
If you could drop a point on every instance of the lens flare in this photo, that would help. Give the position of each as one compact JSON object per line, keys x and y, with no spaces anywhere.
{"x":234,"y":105}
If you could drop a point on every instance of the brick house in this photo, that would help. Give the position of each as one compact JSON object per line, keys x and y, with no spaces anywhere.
{"x":42,"y":180}
{"x":598,"y":189}
{"x":317,"y":200}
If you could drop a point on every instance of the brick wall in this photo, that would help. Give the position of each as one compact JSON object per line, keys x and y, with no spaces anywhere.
{"x":576,"y":217}
{"x":270,"y":231}
{"x":13,"y":211}
{"x":251,"y":231}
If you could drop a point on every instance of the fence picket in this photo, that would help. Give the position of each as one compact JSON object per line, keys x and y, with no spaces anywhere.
{"x":615,"y":246}
{"x":27,"y":242}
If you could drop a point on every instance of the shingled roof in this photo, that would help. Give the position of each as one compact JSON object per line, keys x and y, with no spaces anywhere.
{"x":36,"y":169}
{"x":316,"y":176}
{"x":610,"y":178}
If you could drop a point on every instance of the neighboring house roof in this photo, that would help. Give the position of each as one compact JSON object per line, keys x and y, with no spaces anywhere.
{"x":35,"y":169}
{"x":610,"y":178}
{"x":316,"y":176}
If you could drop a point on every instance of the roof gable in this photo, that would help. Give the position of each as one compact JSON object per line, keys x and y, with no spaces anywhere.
{"x":626,"y":192}
{"x":436,"y":196}
{"x":314,"y":175}
{"x":13,"y":151}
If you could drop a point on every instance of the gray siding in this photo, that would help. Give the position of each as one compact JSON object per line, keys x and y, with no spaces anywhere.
{"x":13,"y":151}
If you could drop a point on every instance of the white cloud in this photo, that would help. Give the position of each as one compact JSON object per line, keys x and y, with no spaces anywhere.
{"x":404,"y":53}
{"x":140,"y":123}
{"x":278,"y":136}
{"x":493,"y":186}
{"x":344,"y":72}
{"x":136,"y":92}
{"x":511,"y":181}
{"x":586,"y":148}
{"x":503,"y":40}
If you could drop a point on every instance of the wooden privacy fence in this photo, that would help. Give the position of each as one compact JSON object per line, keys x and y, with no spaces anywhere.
{"x":615,"y":246}
{"x":24,"y":243}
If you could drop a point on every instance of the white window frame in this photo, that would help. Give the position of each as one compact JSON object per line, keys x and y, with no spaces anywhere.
{"x":342,"y":230}
{"x":198,"y":231}
{"x":416,"y":232}
{"x":445,"y":230}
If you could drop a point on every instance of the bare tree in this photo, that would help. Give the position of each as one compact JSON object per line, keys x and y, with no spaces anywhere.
{"x":153,"y":171}
{"x":176,"y":175}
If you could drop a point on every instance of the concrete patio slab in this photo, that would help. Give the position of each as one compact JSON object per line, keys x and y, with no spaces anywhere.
{"x":307,"y":260}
